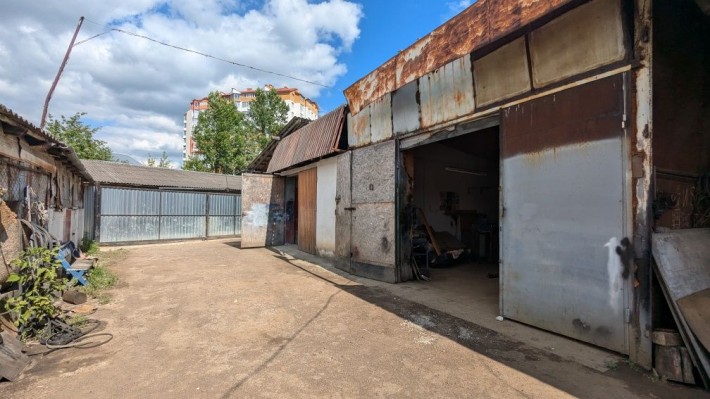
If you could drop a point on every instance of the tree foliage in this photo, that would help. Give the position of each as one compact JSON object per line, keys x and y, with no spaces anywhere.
{"x":228,"y":140}
{"x":80,"y":137}
{"x":221,"y":137}
{"x":268,"y":112}
{"x":163,"y":162}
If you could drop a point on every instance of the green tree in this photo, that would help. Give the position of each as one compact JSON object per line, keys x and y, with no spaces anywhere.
{"x":267,"y":113}
{"x":221,"y":137}
{"x":80,"y":137}
{"x":163,"y":162}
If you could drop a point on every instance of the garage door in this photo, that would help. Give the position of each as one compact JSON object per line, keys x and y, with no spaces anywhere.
{"x":563,"y":213}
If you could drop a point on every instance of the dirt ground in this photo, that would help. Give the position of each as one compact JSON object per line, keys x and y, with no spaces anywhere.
{"x":207,"y":319}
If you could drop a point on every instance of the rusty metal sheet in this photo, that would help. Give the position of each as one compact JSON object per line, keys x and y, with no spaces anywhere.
{"x":359,"y":132}
{"x":502,"y":74}
{"x":447,"y":93}
{"x":564,"y":230}
{"x":581,"y":40}
{"x":371,"y":87}
{"x":479,"y":25}
{"x":405,"y":108}
{"x":313,"y":141}
{"x":381,"y":118}
{"x":553,"y":121}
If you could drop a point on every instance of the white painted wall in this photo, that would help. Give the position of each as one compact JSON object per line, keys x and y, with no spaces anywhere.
{"x":325,"y":207}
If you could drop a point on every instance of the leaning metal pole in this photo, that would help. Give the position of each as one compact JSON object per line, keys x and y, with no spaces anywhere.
{"x":59,"y":74}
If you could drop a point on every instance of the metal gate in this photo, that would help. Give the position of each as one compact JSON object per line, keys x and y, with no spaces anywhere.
{"x":132,"y":215}
{"x":563,"y":213}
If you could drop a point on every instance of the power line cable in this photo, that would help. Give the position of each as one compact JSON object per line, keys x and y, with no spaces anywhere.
{"x":239,"y":64}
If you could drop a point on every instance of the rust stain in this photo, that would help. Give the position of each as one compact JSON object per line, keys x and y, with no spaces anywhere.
{"x":482,"y":23}
{"x":572,"y":117}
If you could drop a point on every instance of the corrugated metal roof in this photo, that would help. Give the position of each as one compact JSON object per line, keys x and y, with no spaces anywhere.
{"x":261,"y":162}
{"x":313,"y":141}
{"x":480,"y":25}
{"x":16,"y":125}
{"x":145,"y":176}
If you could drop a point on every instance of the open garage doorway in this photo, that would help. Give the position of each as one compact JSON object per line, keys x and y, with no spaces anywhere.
{"x":454,"y":200}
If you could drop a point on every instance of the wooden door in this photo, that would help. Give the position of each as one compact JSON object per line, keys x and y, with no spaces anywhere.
{"x":307,"y":210}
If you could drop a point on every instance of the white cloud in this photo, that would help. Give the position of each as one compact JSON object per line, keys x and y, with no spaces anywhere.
{"x":138,"y":89}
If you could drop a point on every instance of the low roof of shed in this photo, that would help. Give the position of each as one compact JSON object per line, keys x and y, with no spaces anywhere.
{"x":123,"y":174}
{"x":15,"y":125}
{"x":314,"y":141}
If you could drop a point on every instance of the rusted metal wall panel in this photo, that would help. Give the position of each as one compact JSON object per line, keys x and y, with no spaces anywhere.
{"x":583,"y":39}
{"x":479,"y":25}
{"x":307,"y":185}
{"x":381,"y":119}
{"x":373,"y":86}
{"x":373,"y":217}
{"x":447,"y":93}
{"x":262,"y":210}
{"x":564,"y":201}
{"x":359,"y":132}
{"x":553,"y":121}
{"x":405,"y":108}
{"x":502,"y":74}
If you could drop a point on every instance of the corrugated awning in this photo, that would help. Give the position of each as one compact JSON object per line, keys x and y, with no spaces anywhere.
{"x":261,"y":163}
{"x":316,"y":140}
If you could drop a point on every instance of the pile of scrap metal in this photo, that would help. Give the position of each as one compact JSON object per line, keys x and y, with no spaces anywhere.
{"x":682,"y":266}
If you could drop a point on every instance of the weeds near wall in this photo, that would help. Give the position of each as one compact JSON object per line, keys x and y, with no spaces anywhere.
{"x":101,"y":278}
{"x":38,"y":283}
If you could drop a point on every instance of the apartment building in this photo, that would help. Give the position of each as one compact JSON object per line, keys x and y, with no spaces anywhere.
{"x":298,"y":106}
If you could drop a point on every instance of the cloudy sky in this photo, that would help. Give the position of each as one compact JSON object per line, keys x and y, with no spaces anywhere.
{"x":137,"y":91}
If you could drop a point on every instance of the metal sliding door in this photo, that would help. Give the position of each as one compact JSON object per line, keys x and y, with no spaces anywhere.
{"x":563,"y":213}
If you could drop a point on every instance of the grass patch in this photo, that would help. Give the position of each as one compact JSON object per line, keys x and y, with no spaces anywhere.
{"x":101,"y":278}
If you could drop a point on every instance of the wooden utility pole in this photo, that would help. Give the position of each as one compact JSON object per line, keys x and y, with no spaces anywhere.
{"x":59,"y":74}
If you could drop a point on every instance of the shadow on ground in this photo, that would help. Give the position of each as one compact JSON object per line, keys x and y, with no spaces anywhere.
{"x":545,"y":366}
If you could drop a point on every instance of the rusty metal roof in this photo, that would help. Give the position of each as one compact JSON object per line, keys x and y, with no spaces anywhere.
{"x":123,"y":174}
{"x":313,"y":141}
{"x":482,"y":24}
{"x":16,"y":125}
{"x":261,"y":162}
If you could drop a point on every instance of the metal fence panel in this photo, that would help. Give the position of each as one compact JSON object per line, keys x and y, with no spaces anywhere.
{"x":129,"y":215}
{"x":176,"y":227}
{"x":89,"y":211}
{"x":129,"y":228}
{"x":223,"y":205}
{"x":119,"y":201}
{"x":180,"y":203}
{"x":221,"y":226}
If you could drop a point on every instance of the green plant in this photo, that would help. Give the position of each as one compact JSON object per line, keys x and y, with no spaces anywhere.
{"x":89,"y":246}
{"x":99,"y":279}
{"x":38,"y":281}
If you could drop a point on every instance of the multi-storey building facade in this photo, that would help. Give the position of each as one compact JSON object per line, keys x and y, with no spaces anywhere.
{"x":298,"y":106}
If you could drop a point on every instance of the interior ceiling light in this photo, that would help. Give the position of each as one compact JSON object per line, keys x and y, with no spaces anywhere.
{"x":468,"y":172}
